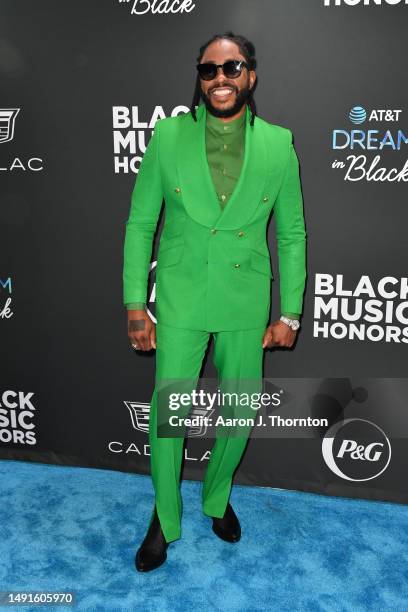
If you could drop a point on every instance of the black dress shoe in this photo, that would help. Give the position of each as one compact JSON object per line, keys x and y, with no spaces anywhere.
{"x":152,"y":551}
{"x":227,"y":528}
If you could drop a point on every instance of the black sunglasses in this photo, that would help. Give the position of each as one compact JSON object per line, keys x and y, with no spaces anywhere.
{"x":232,"y":69}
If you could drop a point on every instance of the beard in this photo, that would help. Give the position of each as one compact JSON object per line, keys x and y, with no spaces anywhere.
{"x":241,"y":98}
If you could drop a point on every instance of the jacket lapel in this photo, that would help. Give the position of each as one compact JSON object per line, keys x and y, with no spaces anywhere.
{"x":197,"y":188}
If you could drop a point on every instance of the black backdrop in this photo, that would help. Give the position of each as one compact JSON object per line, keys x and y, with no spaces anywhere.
{"x":72,"y":75}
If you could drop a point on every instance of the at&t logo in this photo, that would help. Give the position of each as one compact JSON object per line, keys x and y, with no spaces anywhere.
{"x":383,"y":137}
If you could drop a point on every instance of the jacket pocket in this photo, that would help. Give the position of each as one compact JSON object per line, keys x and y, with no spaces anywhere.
{"x":261,"y":263}
{"x":170,"y":252}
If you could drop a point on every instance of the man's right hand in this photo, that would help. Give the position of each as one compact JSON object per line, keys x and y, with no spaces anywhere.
{"x":141,"y":330}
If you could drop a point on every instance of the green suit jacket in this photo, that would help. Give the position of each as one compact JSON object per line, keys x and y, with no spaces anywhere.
{"x":213,"y":266}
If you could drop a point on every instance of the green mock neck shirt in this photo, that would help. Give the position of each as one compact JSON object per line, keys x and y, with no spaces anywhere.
{"x":225,"y":147}
{"x":225,"y":144}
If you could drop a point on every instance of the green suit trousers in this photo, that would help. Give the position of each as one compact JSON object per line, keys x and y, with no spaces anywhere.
{"x":237,"y":356}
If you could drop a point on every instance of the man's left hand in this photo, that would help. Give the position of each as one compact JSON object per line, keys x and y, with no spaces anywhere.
{"x":278,"y":334}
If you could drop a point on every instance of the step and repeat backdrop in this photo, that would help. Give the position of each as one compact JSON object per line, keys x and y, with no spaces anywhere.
{"x":82,"y":85}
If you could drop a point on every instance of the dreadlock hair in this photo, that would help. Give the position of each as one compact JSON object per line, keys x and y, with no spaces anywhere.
{"x":247,"y":49}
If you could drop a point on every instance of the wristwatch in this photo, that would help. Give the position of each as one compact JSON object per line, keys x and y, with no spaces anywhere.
{"x":293,"y":323}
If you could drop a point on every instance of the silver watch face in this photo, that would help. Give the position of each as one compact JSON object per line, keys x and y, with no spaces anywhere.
{"x":295,"y":324}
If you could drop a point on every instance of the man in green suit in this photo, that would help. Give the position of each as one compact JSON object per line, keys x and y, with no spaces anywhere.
{"x":222,"y":171}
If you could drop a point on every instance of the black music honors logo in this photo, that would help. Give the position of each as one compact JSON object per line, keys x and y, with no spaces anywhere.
{"x":16,"y":418}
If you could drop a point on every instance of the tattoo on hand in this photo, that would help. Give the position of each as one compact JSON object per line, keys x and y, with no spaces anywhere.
{"x":137,"y":325}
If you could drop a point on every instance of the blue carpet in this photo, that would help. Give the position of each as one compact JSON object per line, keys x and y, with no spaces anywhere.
{"x":78,"y":529}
